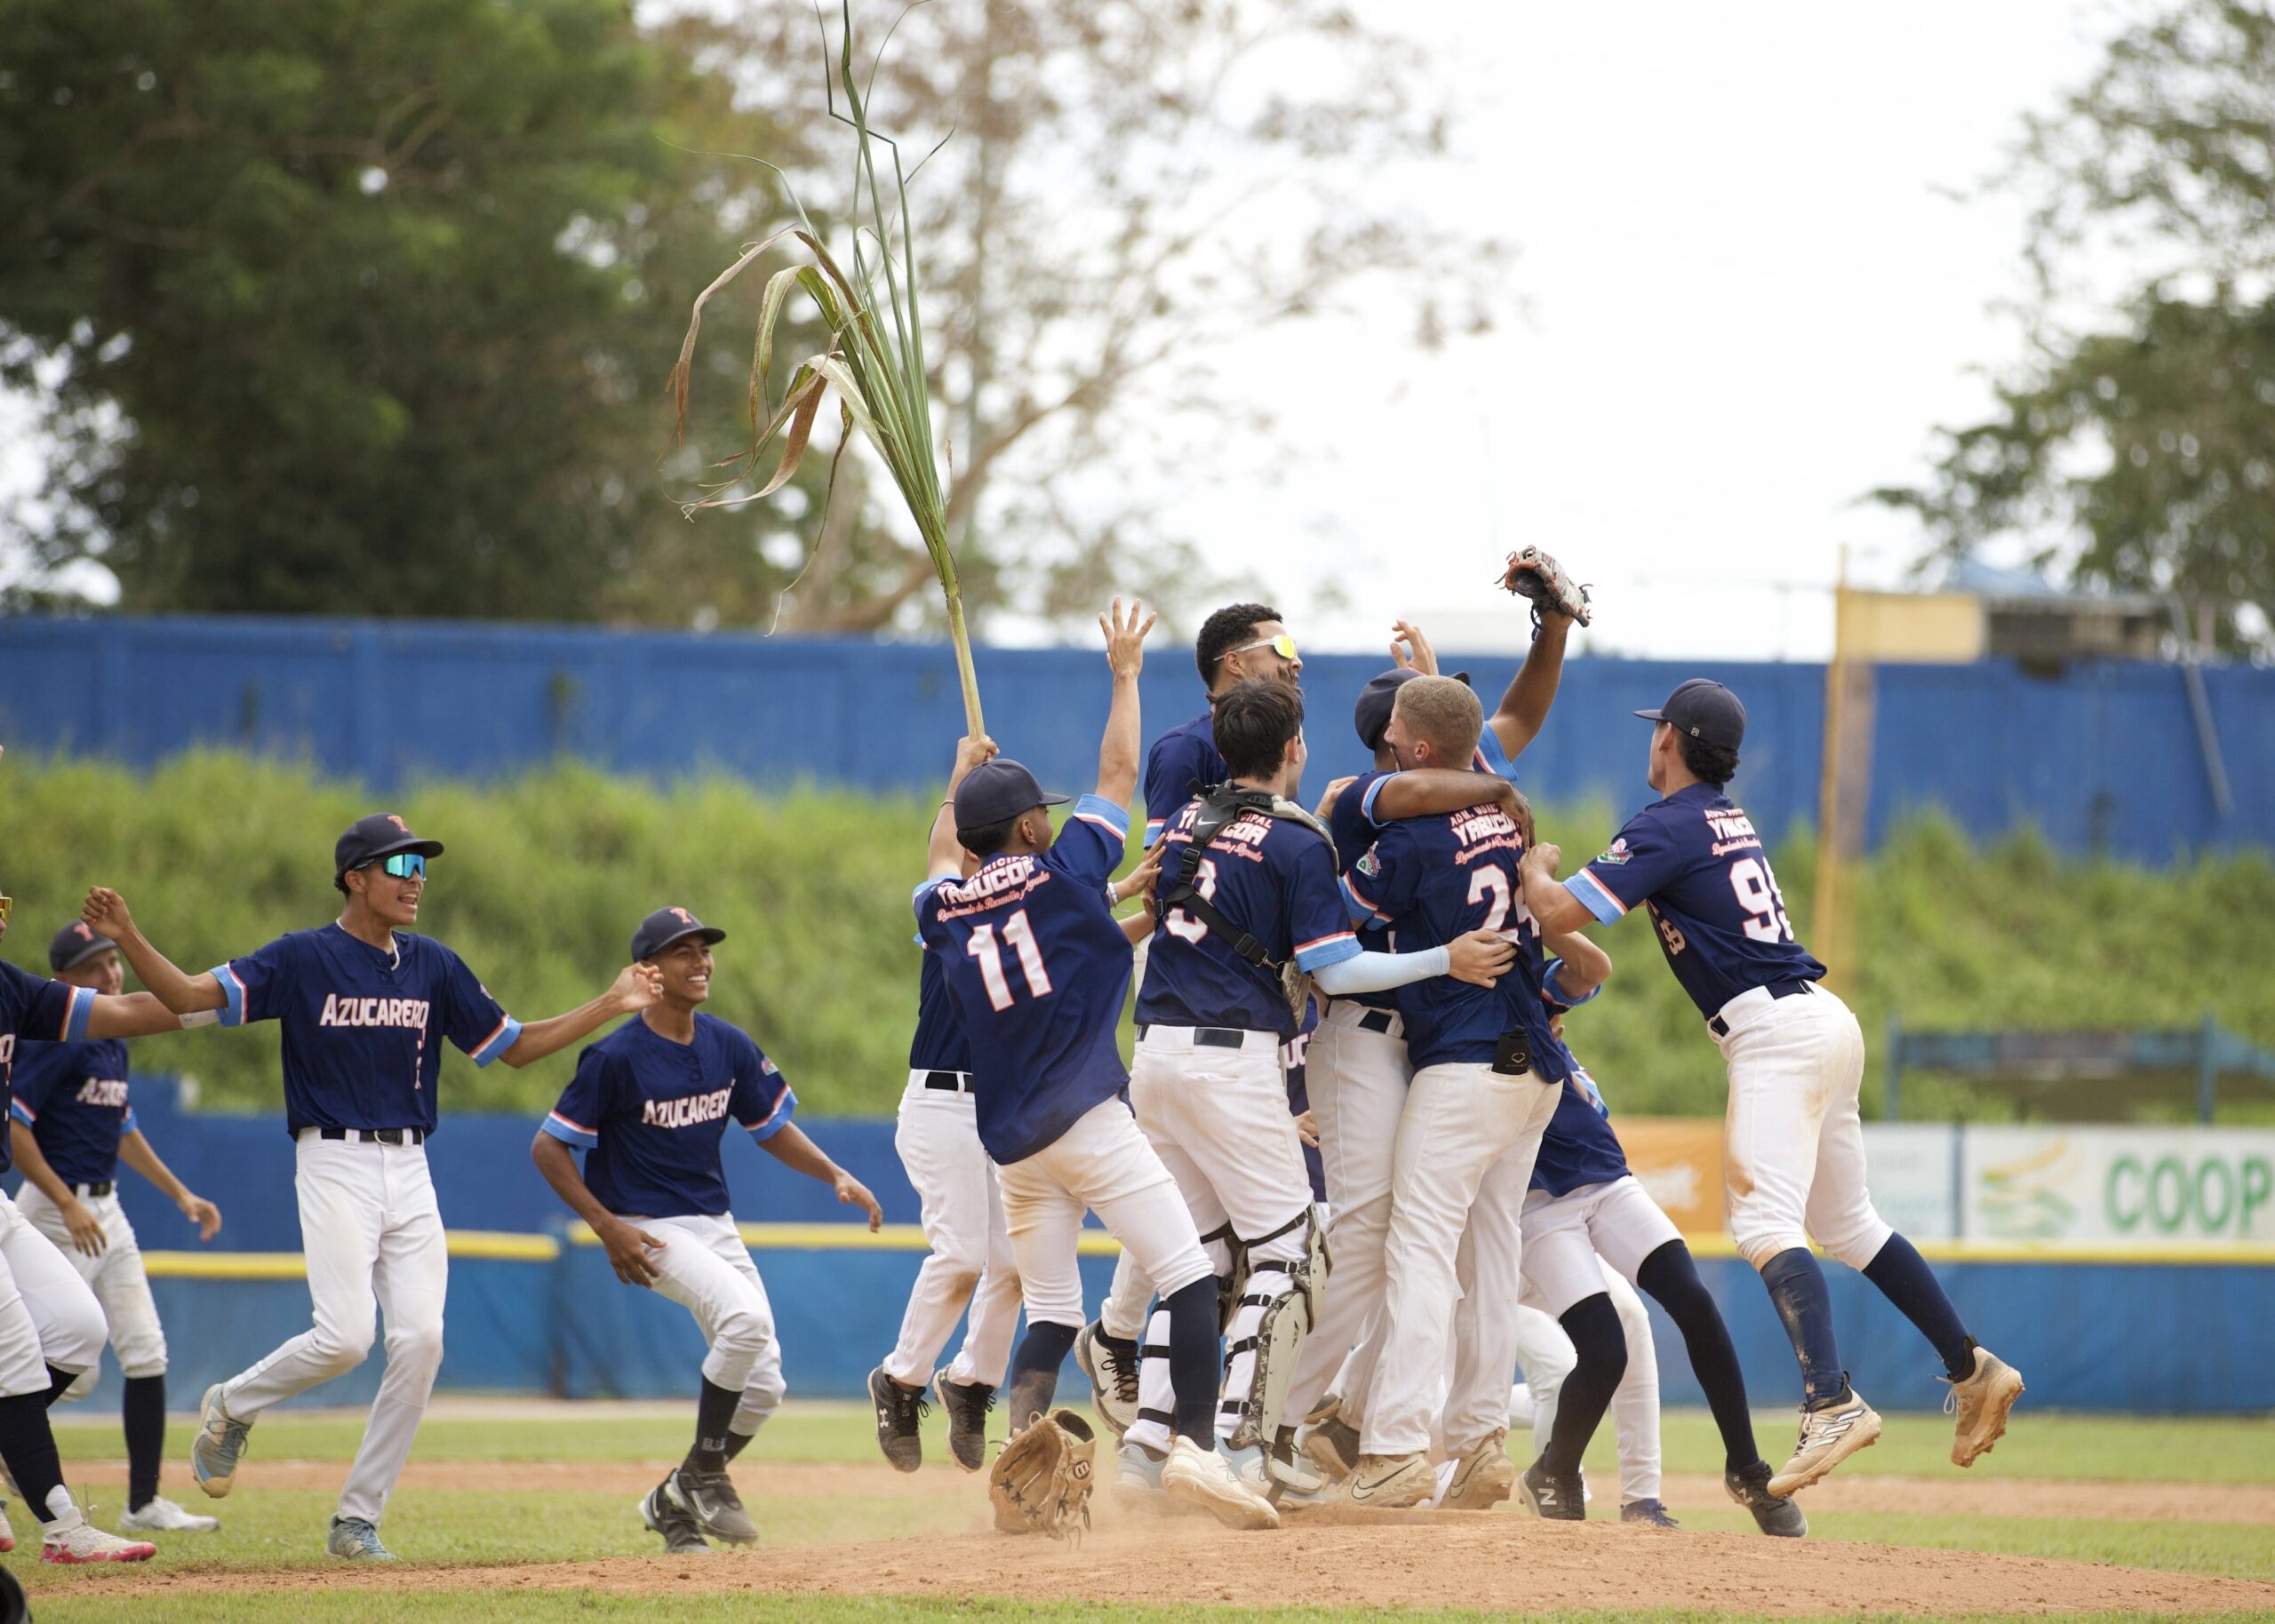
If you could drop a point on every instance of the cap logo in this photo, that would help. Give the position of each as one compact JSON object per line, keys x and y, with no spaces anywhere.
{"x":398,"y":822}
{"x":79,"y":929}
{"x":682,"y":915}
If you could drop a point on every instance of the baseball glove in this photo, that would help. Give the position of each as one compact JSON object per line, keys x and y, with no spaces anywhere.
{"x":1533,"y":574}
{"x":1041,"y":1483}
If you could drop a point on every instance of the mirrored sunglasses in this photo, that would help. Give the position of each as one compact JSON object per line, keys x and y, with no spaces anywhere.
{"x":402,"y":866}
{"x":1283,"y":645}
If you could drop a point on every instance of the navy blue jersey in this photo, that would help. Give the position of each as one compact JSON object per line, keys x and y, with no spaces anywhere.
{"x":1696,"y":862}
{"x":1037,"y":968}
{"x":1180,"y":759}
{"x":364,"y":1027}
{"x":1352,"y":822}
{"x":1292,"y":1056}
{"x":36,"y":1010}
{"x":1579,"y":1148}
{"x":1269,"y":876}
{"x":1435,"y":879}
{"x":939,"y":1043}
{"x":72,"y":1097}
{"x":651,"y":1113}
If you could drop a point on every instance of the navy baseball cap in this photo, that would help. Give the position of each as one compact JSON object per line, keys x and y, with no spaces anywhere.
{"x":666,"y":926}
{"x":380,"y":834}
{"x":1371,"y":715}
{"x":1705,"y":709}
{"x":74,"y":944}
{"x":997,"y":790}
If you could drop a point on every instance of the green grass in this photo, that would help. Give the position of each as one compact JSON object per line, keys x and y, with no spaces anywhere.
{"x":547,"y":873}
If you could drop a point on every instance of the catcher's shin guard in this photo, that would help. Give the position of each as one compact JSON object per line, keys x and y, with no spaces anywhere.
{"x":1287,"y":1297}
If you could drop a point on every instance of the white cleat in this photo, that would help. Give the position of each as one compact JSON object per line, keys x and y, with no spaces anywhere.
{"x":1204,"y":1478}
{"x":1828,"y":1437}
{"x":1982,"y":1402}
{"x":73,"y":1539}
{"x":161,"y":1516}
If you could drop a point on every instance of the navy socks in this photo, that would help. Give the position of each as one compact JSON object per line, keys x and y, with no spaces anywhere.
{"x":1033,"y":1380}
{"x":1194,"y":1374}
{"x":1805,"y":1304}
{"x":1905,"y":1279}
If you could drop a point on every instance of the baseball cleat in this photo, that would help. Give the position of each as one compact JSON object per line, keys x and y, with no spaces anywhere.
{"x":1386,"y":1483}
{"x":662,"y":1515}
{"x":898,"y":1411}
{"x":1982,"y":1402}
{"x":1111,"y":1364}
{"x":1557,"y":1499}
{"x":73,"y":1539}
{"x":966,"y":1404}
{"x":710,"y":1498}
{"x":1482,"y":1478}
{"x":1204,"y":1478}
{"x":1329,"y":1442}
{"x":1136,"y":1470}
{"x":1748,"y":1486}
{"x":1275,"y":1478}
{"x":1652,"y":1513}
{"x":159,"y":1515}
{"x":356,"y":1540}
{"x":218,"y":1445}
{"x":1828,"y":1437}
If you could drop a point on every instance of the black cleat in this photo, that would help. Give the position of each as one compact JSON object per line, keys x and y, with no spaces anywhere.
{"x":1558,"y":1499}
{"x":710,"y":1499}
{"x":665,"y":1516}
{"x":898,"y":1411}
{"x":966,"y":1404}
{"x":1748,"y":1486}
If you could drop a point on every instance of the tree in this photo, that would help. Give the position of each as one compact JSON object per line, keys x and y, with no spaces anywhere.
{"x":357,"y":307}
{"x":2139,"y":452}
{"x":1127,"y":190}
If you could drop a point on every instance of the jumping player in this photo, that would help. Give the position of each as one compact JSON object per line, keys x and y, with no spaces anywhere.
{"x":649,"y":1104}
{"x":970,"y":1262}
{"x":50,"y":1324}
{"x":364,"y":1004}
{"x":1213,"y":1016}
{"x":1038,"y":968}
{"x":1485,"y":1081}
{"x":72,"y":1125}
{"x":1796,"y":1059}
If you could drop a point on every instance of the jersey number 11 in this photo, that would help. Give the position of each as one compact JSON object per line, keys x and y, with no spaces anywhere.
{"x":1020,"y":935}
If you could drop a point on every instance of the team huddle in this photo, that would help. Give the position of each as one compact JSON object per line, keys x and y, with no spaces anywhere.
{"x":1358,"y":1175}
{"x":1285,"y":1331}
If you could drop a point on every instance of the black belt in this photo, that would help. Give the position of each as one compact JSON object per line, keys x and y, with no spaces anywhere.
{"x":101,"y":1188}
{"x":1377,"y":1021}
{"x":952,"y":1082}
{"x":1213,"y":1037}
{"x":1777,"y":989}
{"x":376,"y":1135}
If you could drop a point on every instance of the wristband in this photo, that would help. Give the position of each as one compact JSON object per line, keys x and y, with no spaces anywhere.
{"x":200,"y":1017}
{"x":1551,"y":988}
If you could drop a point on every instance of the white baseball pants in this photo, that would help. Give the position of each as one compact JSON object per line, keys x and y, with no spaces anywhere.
{"x":970,"y":1262}
{"x":373,"y":1239}
{"x":705,"y":1268}
{"x":48,"y":1315}
{"x":1103,"y":1165}
{"x":1357,"y":1081}
{"x":1792,"y":1140}
{"x":1461,"y":1122}
{"x":117,"y":1278}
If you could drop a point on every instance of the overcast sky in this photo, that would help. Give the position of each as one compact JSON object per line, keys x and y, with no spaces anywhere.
{"x":1749,"y":295}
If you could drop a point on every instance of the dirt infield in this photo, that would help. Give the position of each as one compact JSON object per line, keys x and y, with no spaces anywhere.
{"x":1464,"y":1559}
{"x":1953,"y":1496}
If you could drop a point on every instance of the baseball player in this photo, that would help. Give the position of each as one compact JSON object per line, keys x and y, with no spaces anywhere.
{"x":1486,"y":1081}
{"x":1249,"y":896}
{"x":1792,"y":1136}
{"x":970,"y":1262}
{"x":648,"y":1104}
{"x":72,"y":1125}
{"x":364,"y":1004}
{"x":1238,"y":642}
{"x":52,"y":1326}
{"x":1037,"y":968}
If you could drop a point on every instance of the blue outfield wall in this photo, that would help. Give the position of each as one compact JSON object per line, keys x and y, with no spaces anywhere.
{"x":530,"y":1311}
{"x":2104,"y":757}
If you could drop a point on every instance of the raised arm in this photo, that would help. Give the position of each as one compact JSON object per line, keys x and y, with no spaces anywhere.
{"x":1524,"y":707}
{"x":1122,"y":751}
{"x":637,"y":986}
{"x":944,"y":854}
{"x":139,"y":1015}
{"x":1551,"y":905}
{"x":106,"y":913}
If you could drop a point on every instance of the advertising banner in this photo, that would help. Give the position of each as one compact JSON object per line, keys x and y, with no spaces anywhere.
{"x":2117,"y":1183}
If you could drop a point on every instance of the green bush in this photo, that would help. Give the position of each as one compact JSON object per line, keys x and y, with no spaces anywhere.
{"x":547,"y":875}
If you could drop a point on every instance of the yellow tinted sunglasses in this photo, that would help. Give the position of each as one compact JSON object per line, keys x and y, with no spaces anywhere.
{"x":1283,"y":645}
